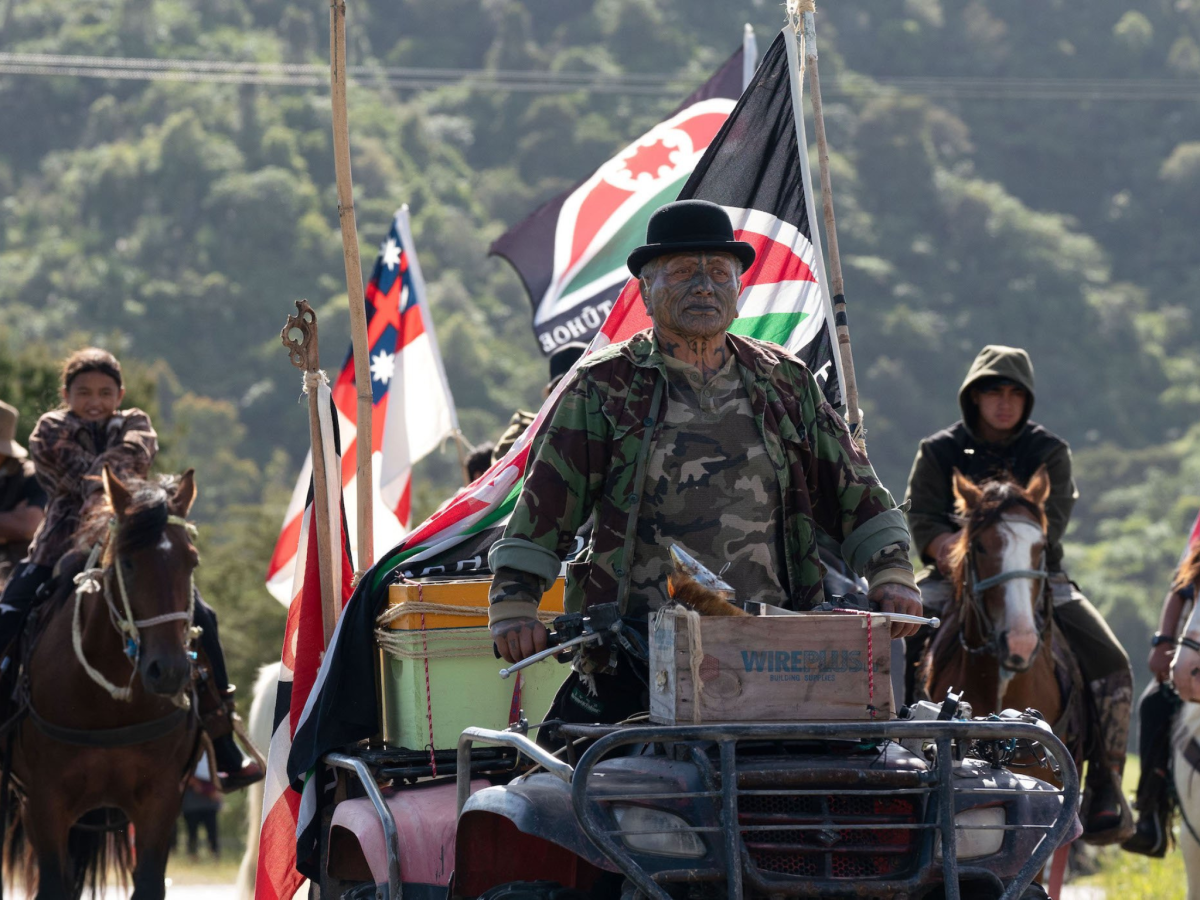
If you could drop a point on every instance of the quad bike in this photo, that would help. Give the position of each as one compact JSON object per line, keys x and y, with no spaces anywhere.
{"x":931,"y":804}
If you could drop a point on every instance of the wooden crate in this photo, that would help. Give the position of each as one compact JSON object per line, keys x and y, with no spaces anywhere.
{"x":811,"y":667}
{"x":464,"y":686}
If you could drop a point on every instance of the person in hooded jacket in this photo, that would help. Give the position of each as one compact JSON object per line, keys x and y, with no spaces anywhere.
{"x":995,"y":437}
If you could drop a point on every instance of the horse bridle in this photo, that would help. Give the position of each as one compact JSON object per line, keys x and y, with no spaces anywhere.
{"x":94,"y":579}
{"x":973,"y":593}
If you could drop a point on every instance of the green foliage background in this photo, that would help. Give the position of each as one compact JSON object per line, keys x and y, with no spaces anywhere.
{"x":176,"y":222}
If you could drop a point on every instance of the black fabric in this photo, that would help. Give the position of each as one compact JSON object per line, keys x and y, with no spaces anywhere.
{"x":210,"y":641}
{"x":956,"y":448}
{"x":1099,"y":653}
{"x":20,"y":596}
{"x":1156,"y":712}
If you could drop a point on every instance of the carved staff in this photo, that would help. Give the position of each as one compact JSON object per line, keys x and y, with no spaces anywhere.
{"x":299,"y":336}
{"x":354,"y":283}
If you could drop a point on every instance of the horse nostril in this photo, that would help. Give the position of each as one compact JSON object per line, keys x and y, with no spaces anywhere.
{"x":154,"y":671}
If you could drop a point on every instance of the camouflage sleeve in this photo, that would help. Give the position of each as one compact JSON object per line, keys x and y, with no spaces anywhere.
{"x":568,"y":462}
{"x":59,"y":459}
{"x":930,"y":501}
{"x":891,"y":565}
{"x":514,"y":594}
{"x":132,"y":447}
{"x":848,"y":501}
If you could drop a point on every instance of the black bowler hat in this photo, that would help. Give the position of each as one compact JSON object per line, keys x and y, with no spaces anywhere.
{"x":564,"y":357}
{"x":687,"y":226}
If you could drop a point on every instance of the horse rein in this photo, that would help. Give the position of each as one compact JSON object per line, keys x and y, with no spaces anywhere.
{"x":974,"y":595}
{"x":93,"y":580}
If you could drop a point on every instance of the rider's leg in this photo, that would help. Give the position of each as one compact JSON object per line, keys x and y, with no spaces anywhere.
{"x":1156,"y":711}
{"x":1109,"y":682}
{"x":237,"y":770}
{"x":20,"y":595}
{"x":936,"y":595}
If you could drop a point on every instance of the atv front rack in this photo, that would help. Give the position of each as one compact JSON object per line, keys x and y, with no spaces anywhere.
{"x":925,"y":842}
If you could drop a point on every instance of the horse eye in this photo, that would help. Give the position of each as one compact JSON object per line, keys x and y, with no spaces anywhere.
{"x":979,"y":548}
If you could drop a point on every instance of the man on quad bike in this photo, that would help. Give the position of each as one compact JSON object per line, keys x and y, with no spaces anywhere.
{"x":688,"y":434}
{"x":995,"y":438}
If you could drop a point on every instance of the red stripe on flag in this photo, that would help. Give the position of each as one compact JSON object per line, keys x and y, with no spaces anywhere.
{"x":412,"y":326}
{"x":404,"y":506}
{"x":285,"y":547}
{"x":595,"y":210}
{"x":774,"y":262}
{"x":702,"y":129}
{"x":276,"y":877}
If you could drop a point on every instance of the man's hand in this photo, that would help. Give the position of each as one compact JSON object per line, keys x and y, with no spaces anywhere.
{"x":518,"y":638}
{"x":898,"y":598}
{"x":1160,"y":661}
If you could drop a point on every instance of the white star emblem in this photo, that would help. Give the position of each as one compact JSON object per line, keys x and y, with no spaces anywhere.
{"x":391,"y":254}
{"x":383,"y":367}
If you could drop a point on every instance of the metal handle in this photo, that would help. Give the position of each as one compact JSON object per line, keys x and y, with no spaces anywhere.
{"x":539,"y":755}
{"x":550,"y":651}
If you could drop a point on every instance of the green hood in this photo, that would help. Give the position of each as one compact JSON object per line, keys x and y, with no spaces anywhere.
{"x":996,"y":361}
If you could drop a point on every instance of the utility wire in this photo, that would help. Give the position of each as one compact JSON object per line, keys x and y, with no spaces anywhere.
{"x":547,"y":82}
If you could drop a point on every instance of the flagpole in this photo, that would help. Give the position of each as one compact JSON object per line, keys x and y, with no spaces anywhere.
{"x":299,"y":336}
{"x":354,"y":285}
{"x":836,"y":282}
{"x":749,"y":55}
{"x":810,"y":203}
{"x":461,"y":443}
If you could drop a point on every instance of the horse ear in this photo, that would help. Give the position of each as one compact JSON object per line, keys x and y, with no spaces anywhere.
{"x":966,"y":493}
{"x":118,"y":494}
{"x":1038,"y":487}
{"x":185,"y":494}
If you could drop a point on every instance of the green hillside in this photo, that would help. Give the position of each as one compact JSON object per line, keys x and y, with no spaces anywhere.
{"x":1024,"y":173}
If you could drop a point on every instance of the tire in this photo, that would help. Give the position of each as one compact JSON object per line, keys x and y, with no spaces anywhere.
{"x":532,"y":890}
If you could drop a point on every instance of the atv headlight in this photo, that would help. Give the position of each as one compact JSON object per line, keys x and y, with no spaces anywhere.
{"x":977,"y":832}
{"x":657,"y":832}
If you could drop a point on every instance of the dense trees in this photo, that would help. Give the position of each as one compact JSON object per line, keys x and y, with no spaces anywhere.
{"x":176,"y":222}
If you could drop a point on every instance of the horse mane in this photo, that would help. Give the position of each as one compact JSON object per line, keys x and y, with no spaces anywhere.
{"x":1189,"y":569}
{"x":1000,"y":494}
{"x":140,"y":526}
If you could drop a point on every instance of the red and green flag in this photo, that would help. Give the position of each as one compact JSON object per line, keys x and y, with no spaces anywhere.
{"x":570,"y":253}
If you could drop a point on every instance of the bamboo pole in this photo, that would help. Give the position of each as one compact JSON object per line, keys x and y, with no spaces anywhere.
{"x":299,"y":336}
{"x":836,"y":283}
{"x":354,"y":285}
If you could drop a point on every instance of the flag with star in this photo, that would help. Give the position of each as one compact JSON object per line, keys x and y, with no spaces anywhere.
{"x":413,"y":408}
{"x":570,"y":253}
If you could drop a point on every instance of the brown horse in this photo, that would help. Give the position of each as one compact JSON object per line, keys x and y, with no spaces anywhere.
{"x":110,"y":732}
{"x":999,"y":644}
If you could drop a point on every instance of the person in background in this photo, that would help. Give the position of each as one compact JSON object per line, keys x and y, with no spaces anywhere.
{"x":71,"y":446}
{"x":202,"y":801}
{"x":995,"y":438}
{"x":22,"y":500}
{"x":1156,"y":714}
{"x":480,"y":460}
{"x":561,"y":361}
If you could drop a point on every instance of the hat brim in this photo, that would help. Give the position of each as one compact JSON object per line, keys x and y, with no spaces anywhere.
{"x":642,"y":255}
{"x":12,"y":449}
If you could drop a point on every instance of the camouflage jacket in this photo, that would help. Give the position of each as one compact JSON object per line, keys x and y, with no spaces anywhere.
{"x":589,"y":461}
{"x":69,"y":455}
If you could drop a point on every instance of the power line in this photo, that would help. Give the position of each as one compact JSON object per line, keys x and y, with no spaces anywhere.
{"x":548,"y":82}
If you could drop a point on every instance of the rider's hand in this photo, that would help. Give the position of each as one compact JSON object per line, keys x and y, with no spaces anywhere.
{"x":1160,"y":661}
{"x":518,"y":638}
{"x":942,"y":560}
{"x":898,"y":598}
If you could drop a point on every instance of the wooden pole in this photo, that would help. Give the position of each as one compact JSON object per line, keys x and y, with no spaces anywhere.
{"x":463,"y":448}
{"x":836,"y":282}
{"x":354,"y":284}
{"x":299,"y":336}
